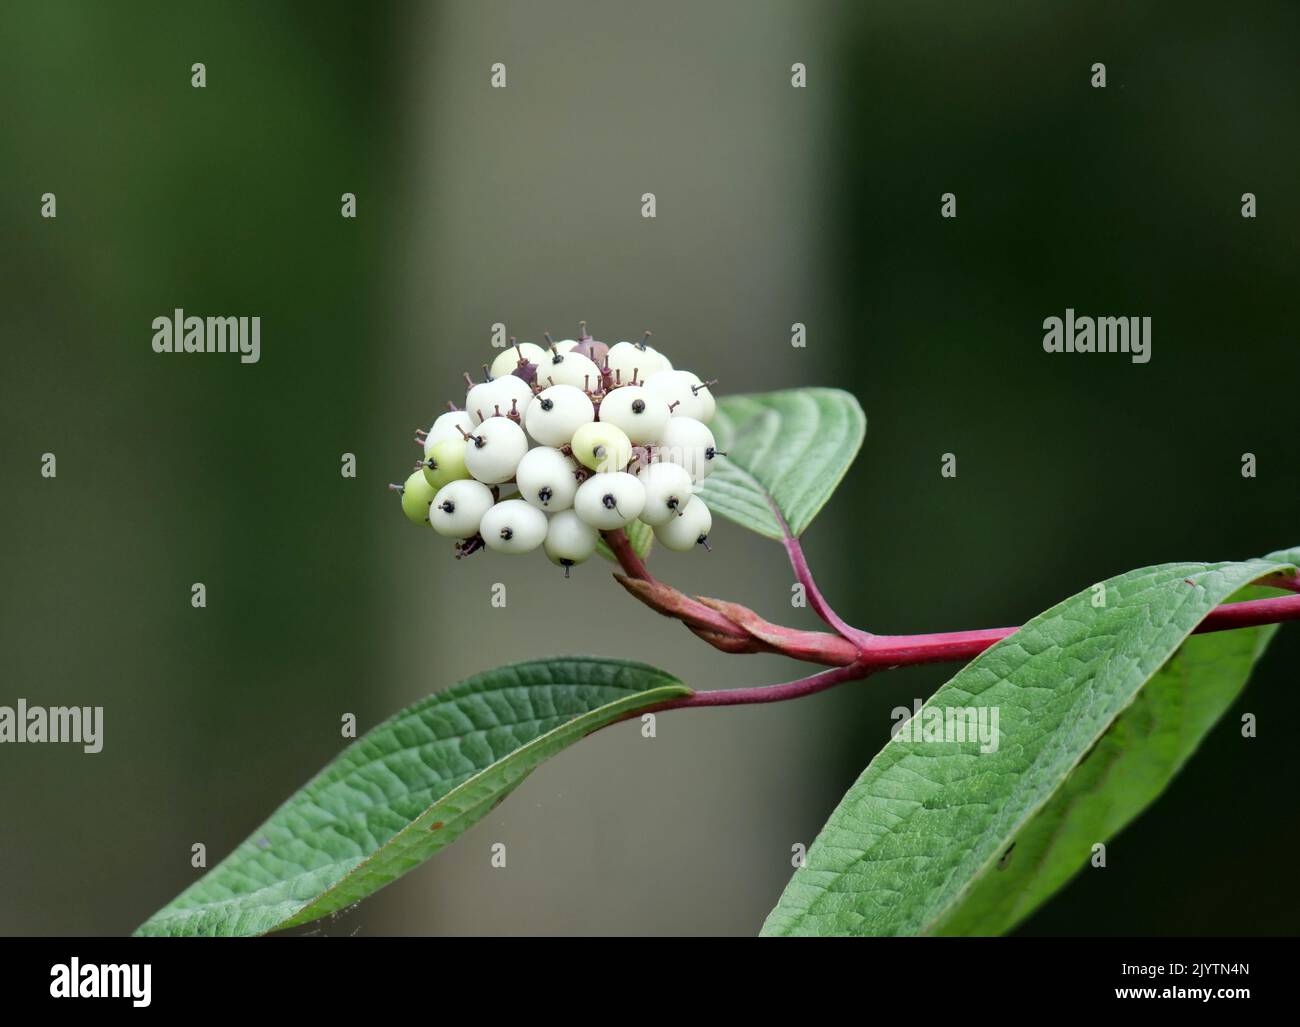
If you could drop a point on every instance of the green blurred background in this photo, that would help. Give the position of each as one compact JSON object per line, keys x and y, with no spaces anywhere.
{"x":522,"y":205}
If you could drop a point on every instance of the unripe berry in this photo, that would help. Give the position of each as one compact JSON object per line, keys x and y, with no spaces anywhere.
{"x":684,"y":393}
{"x":556,"y":413}
{"x":564,"y":345}
{"x":547,"y":479}
{"x":569,"y":540}
{"x":569,"y":369}
{"x":512,"y":356}
{"x":448,"y":426}
{"x":513,"y":526}
{"x":602,"y":447}
{"x":458,"y":508}
{"x":688,"y":442}
{"x":668,"y":491}
{"x":495,"y":449}
{"x":416,"y":496}
{"x":609,"y":500}
{"x":445,"y":462}
{"x":642,"y":416}
{"x":684,"y":533}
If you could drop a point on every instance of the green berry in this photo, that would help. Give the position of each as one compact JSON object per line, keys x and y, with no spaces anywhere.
{"x":417,"y":494}
{"x":602,"y":447}
{"x":445,"y":462}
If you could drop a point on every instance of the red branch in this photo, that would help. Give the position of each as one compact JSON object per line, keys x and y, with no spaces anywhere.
{"x":852,"y":654}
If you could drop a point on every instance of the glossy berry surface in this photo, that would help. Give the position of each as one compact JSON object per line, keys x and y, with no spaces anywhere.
{"x":561,"y":442}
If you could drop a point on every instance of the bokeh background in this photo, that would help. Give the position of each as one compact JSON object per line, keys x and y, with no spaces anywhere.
{"x":522,"y":205}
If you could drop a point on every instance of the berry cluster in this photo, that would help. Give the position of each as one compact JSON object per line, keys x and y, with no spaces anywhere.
{"x":562,"y":442}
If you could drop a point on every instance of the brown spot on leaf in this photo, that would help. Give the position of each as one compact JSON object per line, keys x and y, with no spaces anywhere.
{"x":435,"y":825}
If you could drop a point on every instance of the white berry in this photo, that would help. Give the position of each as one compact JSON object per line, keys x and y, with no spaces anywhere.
{"x":445,"y":427}
{"x":498,"y":398}
{"x":569,"y":369}
{"x":689,"y":442}
{"x":516,"y":396}
{"x":684,"y":393}
{"x":668,"y":491}
{"x":495,"y":449}
{"x":511,"y":357}
{"x":556,"y":413}
{"x":629,"y":360}
{"x":513,"y":526}
{"x":458,"y":508}
{"x":610,"y":500}
{"x":641,"y":415}
{"x":684,"y":533}
{"x":569,"y":540}
{"x":563,"y":441}
{"x":547,"y":479}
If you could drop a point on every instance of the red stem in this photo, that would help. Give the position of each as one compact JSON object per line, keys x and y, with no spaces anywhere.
{"x":818,"y":682}
{"x":876,"y":652}
{"x":888,"y":651}
{"x":820,"y":606}
{"x":909,"y":650}
{"x":803,"y":573}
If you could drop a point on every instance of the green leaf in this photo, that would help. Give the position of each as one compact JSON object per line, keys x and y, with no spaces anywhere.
{"x":641,"y":535}
{"x":406,"y":789}
{"x":785,"y":449}
{"x":926,"y":824}
{"x":1119,"y":777}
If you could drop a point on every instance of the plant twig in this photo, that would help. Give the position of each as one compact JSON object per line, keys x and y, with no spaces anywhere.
{"x":803,"y":573}
{"x":852,"y":654}
{"x":818,"y":682}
